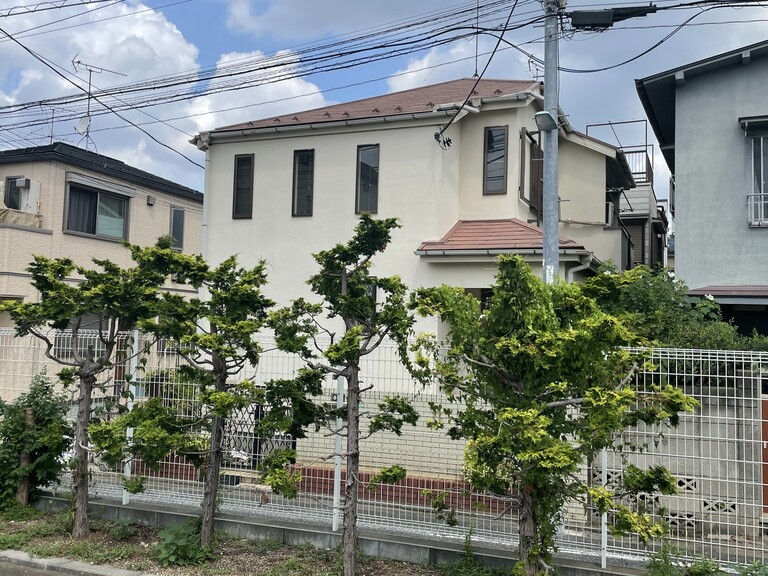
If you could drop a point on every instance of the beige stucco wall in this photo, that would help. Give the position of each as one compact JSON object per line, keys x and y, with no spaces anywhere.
{"x":18,"y":244}
{"x":426,"y":187}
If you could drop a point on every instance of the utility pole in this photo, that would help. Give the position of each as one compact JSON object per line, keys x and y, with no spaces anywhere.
{"x":550,"y":220}
{"x":548,"y":121}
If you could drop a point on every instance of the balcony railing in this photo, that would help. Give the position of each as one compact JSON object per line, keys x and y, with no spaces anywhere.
{"x":639,"y":164}
{"x":757,"y":209}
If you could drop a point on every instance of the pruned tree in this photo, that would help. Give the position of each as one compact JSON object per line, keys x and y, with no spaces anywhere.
{"x":370,"y":309}
{"x":113,"y":300}
{"x":541,"y":384}
{"x":217,"y":336}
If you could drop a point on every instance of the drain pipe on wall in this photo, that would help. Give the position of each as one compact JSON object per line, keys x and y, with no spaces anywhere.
{"x":585,"y":262}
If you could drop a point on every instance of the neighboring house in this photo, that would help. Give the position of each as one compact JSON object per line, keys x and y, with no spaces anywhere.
{"x":63,"y":201}
{"x":643,"y":214}
{"x":464,"y":180}
{"x":711,"y":120}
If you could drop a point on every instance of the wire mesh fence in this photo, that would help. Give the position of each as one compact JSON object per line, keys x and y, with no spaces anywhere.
{"x":718,"y":455}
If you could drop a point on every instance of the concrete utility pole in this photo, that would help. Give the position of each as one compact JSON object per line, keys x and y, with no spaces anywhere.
{"x":550,"y":220}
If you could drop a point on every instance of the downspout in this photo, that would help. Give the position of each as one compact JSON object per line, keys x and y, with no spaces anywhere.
{"x":585,"y":262}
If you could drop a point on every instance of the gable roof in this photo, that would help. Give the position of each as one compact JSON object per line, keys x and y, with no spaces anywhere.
{"x":657,"y":92}
{"x":490,"y":237}
{"x":426,"y":99}
{"x":74,"y":156}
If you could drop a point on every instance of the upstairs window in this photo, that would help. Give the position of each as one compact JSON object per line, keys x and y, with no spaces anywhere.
{"x":303,"y":182}
{"x":495,"y":166}
{"x":177,"y":228}
{"x":96,"y":213}
{"x":757,"y":202}
{"x":242,"y":203}
{"x":12,"y":197}
{"x":367,"y":196}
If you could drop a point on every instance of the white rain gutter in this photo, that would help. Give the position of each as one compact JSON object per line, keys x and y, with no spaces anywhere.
{"x":585,"y":262}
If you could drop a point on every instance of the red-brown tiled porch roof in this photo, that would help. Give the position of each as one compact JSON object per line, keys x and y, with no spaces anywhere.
{"x":491,"y":236}
{"x":414,"y":101}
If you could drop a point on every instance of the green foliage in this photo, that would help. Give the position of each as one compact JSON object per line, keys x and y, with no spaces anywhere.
{"x":18,"y":513}
{"x":443,"y":511}
{"x":754,"y":569}
{"x":45,"y":442}
{"x":391,"y":475}
{"x":542,"y":384}
{"x":179,"y":545}
{"x":278,"y":475}
{"x":121,"y":530}
{"x":157,"y":432}
{"x":656,"y":306}
{"x":469,"y":565}
{"x":134,"y":484}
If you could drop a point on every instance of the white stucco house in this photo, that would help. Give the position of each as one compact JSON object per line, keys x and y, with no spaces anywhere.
{"x":711,"y":120}
{"x":62,"y":201}
{"x":458,"y":163}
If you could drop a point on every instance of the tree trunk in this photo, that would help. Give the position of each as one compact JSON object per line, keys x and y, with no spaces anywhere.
{"x":80,"y":528}
{"x":211,"y":488}
{"x":349,"y":534}
{"x":528,"y":531}
{"x":25,"y":459}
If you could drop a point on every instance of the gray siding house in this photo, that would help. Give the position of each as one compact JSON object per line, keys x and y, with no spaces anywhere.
{"x":711,"y":120}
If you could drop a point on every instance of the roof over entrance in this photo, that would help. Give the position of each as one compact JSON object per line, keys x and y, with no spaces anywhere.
{"x":491,"y":237}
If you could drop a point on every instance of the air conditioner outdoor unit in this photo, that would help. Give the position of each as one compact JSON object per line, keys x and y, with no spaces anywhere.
{"x":30,"y":195}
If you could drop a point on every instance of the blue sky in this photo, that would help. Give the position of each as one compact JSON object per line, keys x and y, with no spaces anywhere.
{"x":158,"y":38}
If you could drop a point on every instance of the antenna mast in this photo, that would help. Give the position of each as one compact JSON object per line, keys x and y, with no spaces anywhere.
{"x":84,"y":124}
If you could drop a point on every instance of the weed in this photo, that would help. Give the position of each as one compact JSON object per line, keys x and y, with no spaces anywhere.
{"x":18,"y":513}
{"x":179,"y":545}
{"x":13,"y":541}
{"x":703,"y":567}
{"x":121,"y":530}
{"x":754,"y":569}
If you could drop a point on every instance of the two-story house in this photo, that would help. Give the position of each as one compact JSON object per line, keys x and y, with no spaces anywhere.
{"x":63,"y":201}
{"x":459,"y":163}
{"x":711,"y":120}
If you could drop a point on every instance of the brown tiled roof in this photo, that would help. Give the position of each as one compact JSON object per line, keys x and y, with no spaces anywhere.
{"x":733,"y":291}
{"x":414,"y":101}
{"x":492,"y":235}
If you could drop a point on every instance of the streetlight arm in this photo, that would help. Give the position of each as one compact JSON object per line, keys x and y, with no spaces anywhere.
{"x":602,"y":19}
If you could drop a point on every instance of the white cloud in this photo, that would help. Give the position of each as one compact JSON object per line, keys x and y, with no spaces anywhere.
{"x":301,"y":20}
{"x":269,"y":99}
{"x":458,"y":61}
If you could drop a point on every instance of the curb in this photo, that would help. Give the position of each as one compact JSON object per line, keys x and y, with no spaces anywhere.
{"x":65,"y":566}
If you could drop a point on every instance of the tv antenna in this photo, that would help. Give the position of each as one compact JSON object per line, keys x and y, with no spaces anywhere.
{"x":83,"y":125}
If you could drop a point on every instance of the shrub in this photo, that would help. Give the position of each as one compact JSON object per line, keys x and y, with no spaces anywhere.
{"x":45,"y":442}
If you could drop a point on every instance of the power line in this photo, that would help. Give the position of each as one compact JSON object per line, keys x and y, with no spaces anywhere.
{"x":44,"y":6}
{"x":44,"y":62}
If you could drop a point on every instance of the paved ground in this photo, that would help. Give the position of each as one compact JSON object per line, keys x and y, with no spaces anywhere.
{"x":15,"y":563}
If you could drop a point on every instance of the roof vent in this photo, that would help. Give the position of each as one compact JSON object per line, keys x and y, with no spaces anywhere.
{"x":376,"y":110}
{"x":431,"y":104}
{"x":295,"y":118}
{"x":276,"y":120}
{"x":497,"y":91}
{"x":327,"y":114}
{"x":399,"y":109}
{"x":345,"y":113}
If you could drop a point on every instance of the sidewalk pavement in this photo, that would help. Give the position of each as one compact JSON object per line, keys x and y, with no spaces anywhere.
{"x":61,"y":565}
